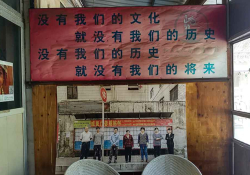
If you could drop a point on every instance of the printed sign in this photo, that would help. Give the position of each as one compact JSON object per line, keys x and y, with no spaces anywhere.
{"x":128,"y":43}
{"x":81,"y":123}
{"x":6,"y":82}
{"x":104,"y":95}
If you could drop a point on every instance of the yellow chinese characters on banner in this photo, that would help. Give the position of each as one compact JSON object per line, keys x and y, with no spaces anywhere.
{"x":81,"y":123}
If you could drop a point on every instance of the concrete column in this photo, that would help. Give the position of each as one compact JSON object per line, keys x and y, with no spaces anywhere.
{"x":29,"y":113}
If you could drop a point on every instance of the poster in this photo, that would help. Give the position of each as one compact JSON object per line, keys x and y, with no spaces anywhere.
{"x":128,"y":43}
{"x":81,"y":123}
{"x":6,"y":81}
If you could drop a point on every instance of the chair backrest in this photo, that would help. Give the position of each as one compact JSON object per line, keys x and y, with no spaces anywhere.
{"x":90,"y":167}
{"x":171,"y":165}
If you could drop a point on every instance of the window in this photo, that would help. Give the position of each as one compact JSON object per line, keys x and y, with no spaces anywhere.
{"x":174,"y":94}
{"x":61,"y":5}
{"x":152,"y":93}
{"x":242,"y":129}
{"x":162,"y":99}
{"x":72,"y":92}
{"x":10,"y":52}
{"x":241,"y":94}
{"x":213,"y":2}
{"x":15,"y":4}
{"x":133,"y":87}
{"x":107,"y":88}
{"x":241,"y":62}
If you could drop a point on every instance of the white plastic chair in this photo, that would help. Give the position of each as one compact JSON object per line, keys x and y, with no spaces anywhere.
{"x":171,"y":165}
{"x":90,"y":167}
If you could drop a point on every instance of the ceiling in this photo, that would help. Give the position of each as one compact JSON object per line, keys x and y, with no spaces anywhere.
{"x":213,"y":2}
{"x":124,"y":3}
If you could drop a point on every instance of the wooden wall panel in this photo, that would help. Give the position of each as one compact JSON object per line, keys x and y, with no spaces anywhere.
{"x":209,"y":126}
{"x":45,"y":128}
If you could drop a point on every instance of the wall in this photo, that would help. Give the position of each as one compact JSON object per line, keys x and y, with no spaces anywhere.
{"x":45,"y":128}
{"x":163,"y":90}
{"x":12,"y":145}
{"x":117,"y":93}
{"x":47,"y":3}
{"x":241,"y":159}
{"x":209,"y":126}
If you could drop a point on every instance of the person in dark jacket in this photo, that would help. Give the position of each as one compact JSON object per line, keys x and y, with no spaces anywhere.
{"x":157,"y":142}
{"x":143,"y":144}
{"x":170,"y":141}
{"x":128,"y":144}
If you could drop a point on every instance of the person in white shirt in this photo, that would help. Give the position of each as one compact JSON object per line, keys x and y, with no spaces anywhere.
{"x":85,"y":137}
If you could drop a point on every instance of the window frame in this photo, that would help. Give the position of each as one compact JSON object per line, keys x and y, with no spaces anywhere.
{"x":73,"y":96}
{"x":133,"y":87}
{"x":235,"y":112}
{"x":16,"y":18}
{"x":172,"y":92}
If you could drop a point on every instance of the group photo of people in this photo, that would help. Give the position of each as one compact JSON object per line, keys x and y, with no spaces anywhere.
{"x":142,"y":123}
{"x":128,"y":143}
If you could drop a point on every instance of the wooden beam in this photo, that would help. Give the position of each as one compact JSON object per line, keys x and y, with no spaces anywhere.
{"x":209,"y":124}
{"x":195,"y":2}
{"x":45,"y":128}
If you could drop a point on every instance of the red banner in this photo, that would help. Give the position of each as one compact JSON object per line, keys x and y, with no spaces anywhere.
{"x":131,"y":122}
{"x":168,"y":42}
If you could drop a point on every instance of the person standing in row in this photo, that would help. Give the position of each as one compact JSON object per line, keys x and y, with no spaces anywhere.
{"x":98,"y":139}
{"x":128,"y":144}
{"x":143,"y":144}
{"x":170,"y":141}
{"x":114,"y":139}
{"x":85,"y":137}
{"x":157,"y":137}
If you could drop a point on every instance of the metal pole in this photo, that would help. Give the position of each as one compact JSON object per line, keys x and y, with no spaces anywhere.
{"x":103,"y":130}
{"x":233,"y":157}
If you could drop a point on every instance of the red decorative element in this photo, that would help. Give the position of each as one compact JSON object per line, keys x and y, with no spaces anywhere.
{"x":103,"y":94}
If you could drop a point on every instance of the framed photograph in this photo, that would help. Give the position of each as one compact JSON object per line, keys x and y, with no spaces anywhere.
{"x":6,"y":81}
